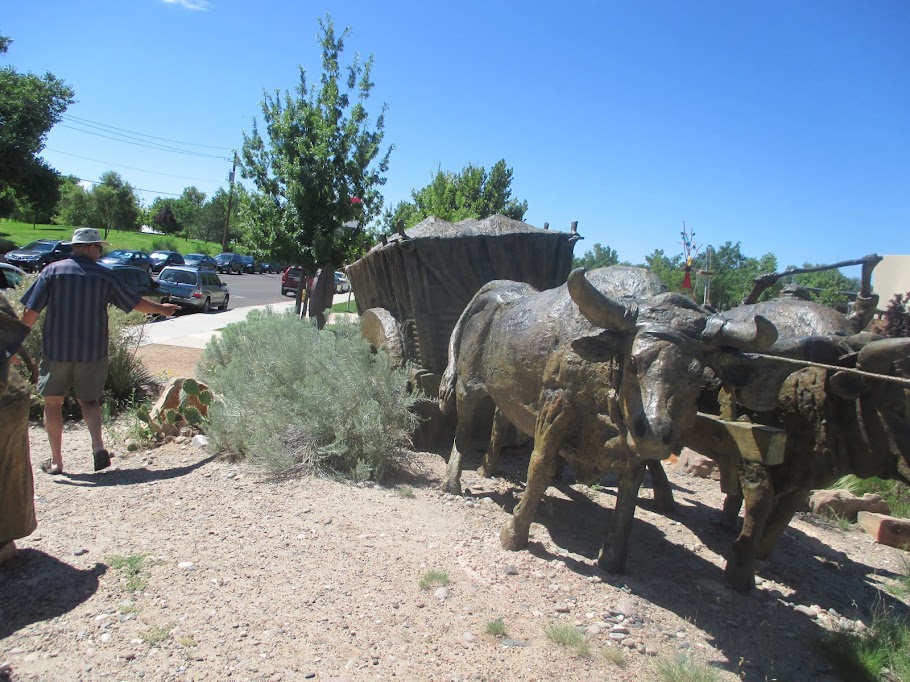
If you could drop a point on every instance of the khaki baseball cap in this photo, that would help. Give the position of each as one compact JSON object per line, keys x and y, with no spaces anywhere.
{"x":87,"y":235}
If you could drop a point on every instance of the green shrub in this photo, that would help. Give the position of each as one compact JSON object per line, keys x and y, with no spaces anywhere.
{"x":895,"y":493}
{"x":685,"y":669}
{"x":164,"y":244}
{"x":294,"y":398}
{"x":433,"y":579}
{"x":496,"y":627}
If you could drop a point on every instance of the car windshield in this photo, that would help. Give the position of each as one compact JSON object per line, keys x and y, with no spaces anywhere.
{"x":119,"y":253}
{"x":178,"y":277}
{"x":193,"y":257}
{"x":159,"y":255}
{"x":39,"y":246}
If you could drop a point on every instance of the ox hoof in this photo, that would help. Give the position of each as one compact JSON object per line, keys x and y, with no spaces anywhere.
{"x":612,"y":564}
{"x":512,"y":539}
{"x":739,"y":579}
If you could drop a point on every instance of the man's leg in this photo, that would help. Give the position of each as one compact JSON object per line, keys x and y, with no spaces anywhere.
{"x":91,"y":413}
{"x":53,"y":424}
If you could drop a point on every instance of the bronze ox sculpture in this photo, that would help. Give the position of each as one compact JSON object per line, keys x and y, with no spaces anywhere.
{"x":603,"y":382}
{"x":836,"y":422}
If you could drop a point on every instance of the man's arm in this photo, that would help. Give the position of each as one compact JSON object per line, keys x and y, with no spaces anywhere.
{"x":151,"y":308}
{"x":29,"y":317}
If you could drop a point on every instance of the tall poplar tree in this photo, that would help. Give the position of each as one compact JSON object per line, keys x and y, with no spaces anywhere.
{"x":317,"y":164}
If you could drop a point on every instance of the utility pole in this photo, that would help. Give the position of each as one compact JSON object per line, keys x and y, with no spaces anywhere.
{"x":227,"y":218}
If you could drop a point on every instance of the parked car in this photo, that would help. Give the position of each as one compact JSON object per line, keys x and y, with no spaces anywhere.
{"x":342,"y":285}
{"x":229,"y":262}
{"x":162,"y":258}
{"x":194,"y":288}
{"x":140,"y":281}
{"x":290,"y":280}
{"x":10,"y":276}
{"x":138,"y":259}
{"x":250,"y":265}
{"x":268,"y":267}
{"x":33,"y":257}
{"x":201,"y":261}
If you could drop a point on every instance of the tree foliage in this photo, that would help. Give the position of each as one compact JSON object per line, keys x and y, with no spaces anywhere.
{"x":472,"y":193}
{"x":598,"y":257}
{"x":897,"y":316}
{"x":317,"y":164}
{"x":30,"y":105}
{"x":165,"y":220}
{"x":827,"y":286}
{"x":114,"y":205}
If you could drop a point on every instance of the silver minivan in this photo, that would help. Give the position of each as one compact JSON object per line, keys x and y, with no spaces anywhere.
{"x":189,"y":287}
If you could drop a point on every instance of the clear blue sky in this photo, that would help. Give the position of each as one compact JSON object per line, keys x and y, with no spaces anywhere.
{"x":782,"y":125}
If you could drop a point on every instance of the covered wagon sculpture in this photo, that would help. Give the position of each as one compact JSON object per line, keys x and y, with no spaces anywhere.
{"x":412,"y":288}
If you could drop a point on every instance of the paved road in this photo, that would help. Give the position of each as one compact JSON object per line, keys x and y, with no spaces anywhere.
{"x":252,"y":290}
{"x":193,"y":330}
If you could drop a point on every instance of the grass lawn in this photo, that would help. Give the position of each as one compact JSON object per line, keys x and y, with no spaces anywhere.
{"x":21,"y":234}
{"x":346,"y":307}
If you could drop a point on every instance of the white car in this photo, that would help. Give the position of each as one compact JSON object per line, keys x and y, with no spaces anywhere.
{"x":10,"y":276}
{"x":342,"y":285}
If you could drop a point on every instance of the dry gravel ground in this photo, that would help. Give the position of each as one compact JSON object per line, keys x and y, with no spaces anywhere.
{"x":244,"y":578}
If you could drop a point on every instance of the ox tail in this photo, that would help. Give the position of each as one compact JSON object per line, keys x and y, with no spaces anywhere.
{"x":449,"y":376}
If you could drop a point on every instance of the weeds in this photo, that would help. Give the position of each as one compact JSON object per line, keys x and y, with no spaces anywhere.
{"x":156,"y":635}
{"x":895,"y":493}
{"x":135,"y":575}
{"x":868,"y":655}
{"x":405,"y":491}
{"x":568,"y":636}
{"x":842,"y":522}
{"x":434,"y":579}
{"x":615,"y":656}
{"x":685,"y":669}
{"x":901,"y":586}
{"x":496,"y":627}
{"x":295,"y":399}
{"x":188,"y":642}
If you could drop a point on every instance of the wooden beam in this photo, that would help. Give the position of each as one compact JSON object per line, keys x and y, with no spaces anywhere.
{"x":716,"y":438}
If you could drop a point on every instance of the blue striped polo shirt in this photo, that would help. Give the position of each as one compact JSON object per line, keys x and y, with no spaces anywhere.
{"x":76,"y":292}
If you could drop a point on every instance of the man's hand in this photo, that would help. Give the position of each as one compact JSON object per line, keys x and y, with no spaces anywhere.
{"x":168,"y":309}
{"x":151,"y":308}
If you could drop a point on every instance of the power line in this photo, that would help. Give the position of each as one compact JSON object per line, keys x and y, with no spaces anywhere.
{"x":105,"y":125}
{"x":120,"y":165}
{"x":135,"y":189}
{"x":149,"y":146}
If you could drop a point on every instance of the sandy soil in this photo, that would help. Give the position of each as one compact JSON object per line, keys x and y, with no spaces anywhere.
{"x":244,"y":578}
{"x":170,"y":361}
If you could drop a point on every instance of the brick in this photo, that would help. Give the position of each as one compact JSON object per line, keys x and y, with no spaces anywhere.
{"x":885,"y":530}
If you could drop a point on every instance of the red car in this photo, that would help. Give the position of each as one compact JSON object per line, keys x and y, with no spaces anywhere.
{"x":290,"y":280}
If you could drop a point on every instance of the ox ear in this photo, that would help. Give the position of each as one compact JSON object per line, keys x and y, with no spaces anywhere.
{"x":756,"y":334}
{"x":847,"y":385}
{"x":600,"y":347}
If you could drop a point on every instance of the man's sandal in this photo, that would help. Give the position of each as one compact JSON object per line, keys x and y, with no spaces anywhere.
{"x":47,"y":466}
{"x":102,"y":460}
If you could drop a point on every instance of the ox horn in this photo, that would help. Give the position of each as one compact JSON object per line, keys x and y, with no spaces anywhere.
{"x":601,"y":311}
{"x":885,"y":356}
{"x":758,"y":334}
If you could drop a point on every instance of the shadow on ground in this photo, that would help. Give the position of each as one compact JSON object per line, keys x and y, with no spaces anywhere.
{"x":130,"y":476}
{"x":35,"y":586}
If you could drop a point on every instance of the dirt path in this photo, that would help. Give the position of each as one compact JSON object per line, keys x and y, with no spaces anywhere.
{"x":242,"y":578}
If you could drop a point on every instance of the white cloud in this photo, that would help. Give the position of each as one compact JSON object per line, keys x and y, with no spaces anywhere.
{"x":201,"y":5}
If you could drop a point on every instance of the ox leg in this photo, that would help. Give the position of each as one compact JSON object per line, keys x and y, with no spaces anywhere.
{"x":729,"y":518}
{"x":660,"y":485}
{"x":553,"y":422}
{"x":614,"y":552}
{"x":784,"y":509}
{"x":452,"y":482}
{"x":491,"y":456}
{"x":759,"y":497}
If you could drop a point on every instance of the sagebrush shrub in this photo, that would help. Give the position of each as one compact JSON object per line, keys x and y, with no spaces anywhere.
{"x":292,"y":397}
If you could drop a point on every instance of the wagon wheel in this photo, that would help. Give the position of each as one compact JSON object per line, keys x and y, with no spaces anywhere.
{"x":383,"y":332}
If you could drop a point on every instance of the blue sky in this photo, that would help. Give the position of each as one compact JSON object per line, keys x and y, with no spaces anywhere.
{"x":781,"y":125}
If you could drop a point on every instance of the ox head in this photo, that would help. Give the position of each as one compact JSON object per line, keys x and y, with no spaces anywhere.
{"x":661,"y":364}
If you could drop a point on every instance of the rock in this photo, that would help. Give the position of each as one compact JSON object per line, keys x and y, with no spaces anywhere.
{"x":698,"y":465}
{"x":80,"y":551}
{"x":441,"y":593}
{"x":132,"y":444}
{"x":885,"y":530}
{"x":468,"y":637}
{"x":106,"y":637}
{"x":845,"y":504}
{"x":513,"y":642}
{"x":510,"y":569}
{"x":593,"y":630}
{"x":185,"y":565}
{"x":806,"y":611}
{"x":200,"y":441}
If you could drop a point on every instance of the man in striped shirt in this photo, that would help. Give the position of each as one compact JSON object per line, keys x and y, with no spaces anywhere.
{"x":76,"y":293}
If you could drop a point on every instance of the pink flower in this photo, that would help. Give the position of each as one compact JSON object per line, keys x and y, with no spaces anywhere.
{"x":356,"y":200}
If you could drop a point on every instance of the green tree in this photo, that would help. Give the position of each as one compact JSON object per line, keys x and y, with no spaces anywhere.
{"x":30,"y":105}
{"x":317,"y":165}
{"x":734,"y":273}
{"x":75,"y":205}
{"x":668,"y":269}
{"x":114,"y":204}
{"x":188,"y":209}
{"x":472,"y":193}
{"x":212,"y":217}
{"x":598,"y":257}
{"x":826,"y":286}
{"x":165,"y":221}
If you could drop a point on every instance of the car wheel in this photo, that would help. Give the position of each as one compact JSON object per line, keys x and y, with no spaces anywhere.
{"x":224,"y":304}
{"x":207,"y":306}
